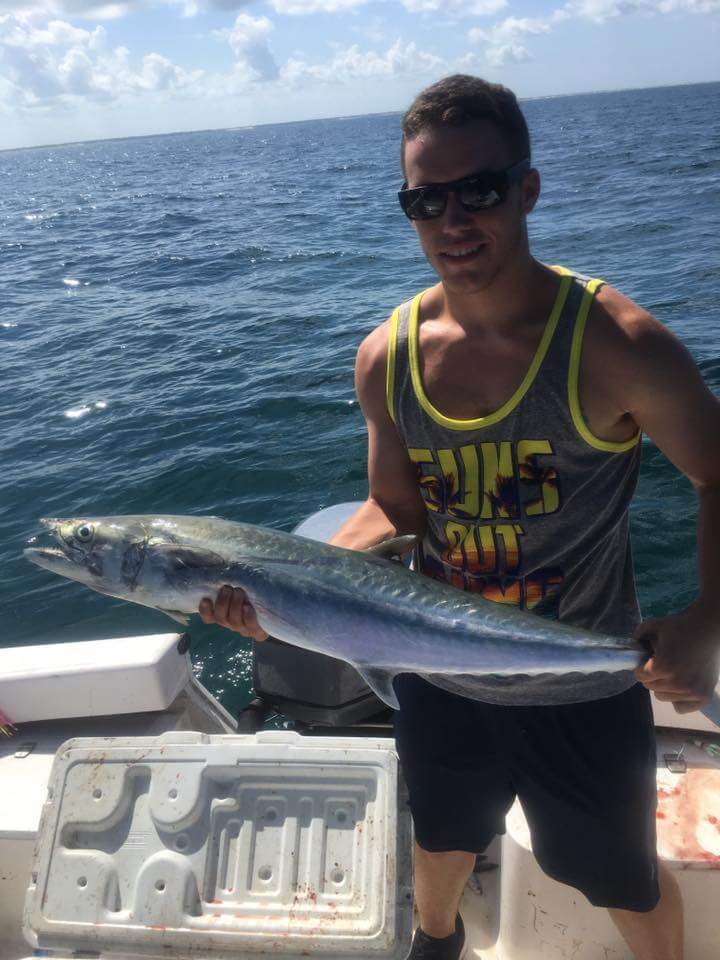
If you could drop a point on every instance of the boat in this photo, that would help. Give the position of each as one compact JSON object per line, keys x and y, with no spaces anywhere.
{"x":138,"y":818}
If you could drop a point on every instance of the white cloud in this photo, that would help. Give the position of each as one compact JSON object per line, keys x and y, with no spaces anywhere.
{"x":689,"y":6}
{"x":248,"y":39}
{"x":301,"y":7}
{"x":350,"y":63}
{"x":504,"y":41}
{"x":57,"y":62}
{"x":456,"y":8}
{"x":601,"y":11}
{"x":83,"y":9}
{"x":21,"y":32}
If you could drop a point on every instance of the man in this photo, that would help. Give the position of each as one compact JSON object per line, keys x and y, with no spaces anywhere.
{"x":504,"y":407}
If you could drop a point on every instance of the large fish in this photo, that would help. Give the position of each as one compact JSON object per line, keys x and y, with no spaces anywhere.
{"x":356,"y":606}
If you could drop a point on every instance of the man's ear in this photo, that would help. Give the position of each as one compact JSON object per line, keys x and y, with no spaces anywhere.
{"x":530,"y":190}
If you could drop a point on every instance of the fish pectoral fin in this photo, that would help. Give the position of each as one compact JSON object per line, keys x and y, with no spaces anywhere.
{"x":381,"y":683}
{"x":186,"y":555}
{"x":182,"y":618}
{"x":394,"y":547}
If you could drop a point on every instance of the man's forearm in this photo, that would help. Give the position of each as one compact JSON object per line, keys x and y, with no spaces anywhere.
{"x":370,"y":525}
{"x":708,"y":536}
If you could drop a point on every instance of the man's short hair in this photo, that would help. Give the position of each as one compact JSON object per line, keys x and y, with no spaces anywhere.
{"x":459,"y":99}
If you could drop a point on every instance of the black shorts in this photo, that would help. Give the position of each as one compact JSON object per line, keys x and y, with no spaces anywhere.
{"x":584,"y":773}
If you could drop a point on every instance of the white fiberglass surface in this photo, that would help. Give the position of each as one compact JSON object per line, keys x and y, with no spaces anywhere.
{"x":224,"y":842}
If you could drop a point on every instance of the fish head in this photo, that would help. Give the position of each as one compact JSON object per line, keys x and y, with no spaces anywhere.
{"x":98,"y":552}
{"x":106,"y":554}
{"x":144,"y":559}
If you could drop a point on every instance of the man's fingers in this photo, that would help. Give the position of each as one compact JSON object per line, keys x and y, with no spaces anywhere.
{"x":689,"y":706}
{"x":222,"y":605}
{"x":646,"y":634}
{"x":649,"y":672}
{"x":674,"y":696}
{"x":233,"y":610}
{"x":669,"y":685}
{"x":250,"y":617}
{"x":251,"y":622}
{"x":206,"y":611}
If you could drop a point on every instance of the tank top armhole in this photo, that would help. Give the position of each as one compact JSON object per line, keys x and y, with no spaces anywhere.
{"x":390,"y":368}
{"x":607,"y":446}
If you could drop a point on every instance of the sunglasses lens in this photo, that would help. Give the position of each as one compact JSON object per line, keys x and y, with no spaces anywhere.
{"x":481,"y":192}
{"x":478,"y":195}
{"x":423,"y":203}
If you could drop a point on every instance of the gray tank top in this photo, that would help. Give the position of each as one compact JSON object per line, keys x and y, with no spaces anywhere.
{"x":524,"y":505}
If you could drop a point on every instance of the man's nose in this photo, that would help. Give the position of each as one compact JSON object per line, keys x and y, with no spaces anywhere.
{"x":455,"y":214}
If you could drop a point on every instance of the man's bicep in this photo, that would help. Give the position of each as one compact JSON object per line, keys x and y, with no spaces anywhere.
{"x":391,"y":474}
{"x":673,"y":405}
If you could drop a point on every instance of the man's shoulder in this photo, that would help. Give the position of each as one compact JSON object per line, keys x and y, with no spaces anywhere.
{"x":615,"y":311}
{"x":373,"y":349}
{"x":618,"y":327}
{"x":371,"y":369}
{"x":628,"y":354}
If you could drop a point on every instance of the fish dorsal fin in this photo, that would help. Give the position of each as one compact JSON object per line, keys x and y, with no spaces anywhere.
{"x":394,"y":547}
{"x":381,"y":683}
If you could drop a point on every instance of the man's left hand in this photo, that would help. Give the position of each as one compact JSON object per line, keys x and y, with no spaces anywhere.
{"x":685,"y":656}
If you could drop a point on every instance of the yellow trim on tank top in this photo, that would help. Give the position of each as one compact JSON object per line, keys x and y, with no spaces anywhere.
{"x":607,"y":446}
{"x":489,"y":419}
{"x":390,"y":368}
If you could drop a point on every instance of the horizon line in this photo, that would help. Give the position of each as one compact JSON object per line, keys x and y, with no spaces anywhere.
{"x":353,"y":116}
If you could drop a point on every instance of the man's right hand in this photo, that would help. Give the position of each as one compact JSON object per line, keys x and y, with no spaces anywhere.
{"x":233,"y":610}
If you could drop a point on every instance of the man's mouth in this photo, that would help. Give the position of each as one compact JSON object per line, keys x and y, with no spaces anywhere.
{"x":462,"y":254}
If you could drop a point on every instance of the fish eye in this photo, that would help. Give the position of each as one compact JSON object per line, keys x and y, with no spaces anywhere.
{"x":84,"y":532}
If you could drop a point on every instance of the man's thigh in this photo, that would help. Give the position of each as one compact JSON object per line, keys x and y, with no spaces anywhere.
{"x":585,"y":775}
{"x":458,"y":787}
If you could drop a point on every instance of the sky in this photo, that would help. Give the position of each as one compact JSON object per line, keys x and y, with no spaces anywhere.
{"x":91,"y":69}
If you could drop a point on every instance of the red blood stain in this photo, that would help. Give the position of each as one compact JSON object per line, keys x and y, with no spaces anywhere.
{"x":712,"y":820}
{"x":660,"y":815}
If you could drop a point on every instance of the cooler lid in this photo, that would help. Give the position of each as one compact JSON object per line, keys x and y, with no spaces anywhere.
{"x":209,"y":845}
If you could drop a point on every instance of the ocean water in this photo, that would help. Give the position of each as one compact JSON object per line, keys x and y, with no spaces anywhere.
{"x":179,"y":317}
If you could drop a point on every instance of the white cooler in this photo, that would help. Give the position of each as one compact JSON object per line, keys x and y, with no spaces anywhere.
{"x":191,"y":845}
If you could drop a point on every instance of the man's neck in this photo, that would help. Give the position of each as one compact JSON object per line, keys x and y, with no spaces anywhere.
{"x":513,"y":299}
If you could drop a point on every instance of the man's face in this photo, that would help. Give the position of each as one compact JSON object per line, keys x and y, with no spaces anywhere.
{"x":489,"y":239}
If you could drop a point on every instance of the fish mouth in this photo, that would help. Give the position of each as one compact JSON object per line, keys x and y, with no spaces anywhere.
{"x":51,"y":551}
{"x":46,"y":552}
{"x":52,"y":558}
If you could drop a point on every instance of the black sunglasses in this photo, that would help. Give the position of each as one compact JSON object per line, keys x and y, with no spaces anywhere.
{"x":479,"y":191}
